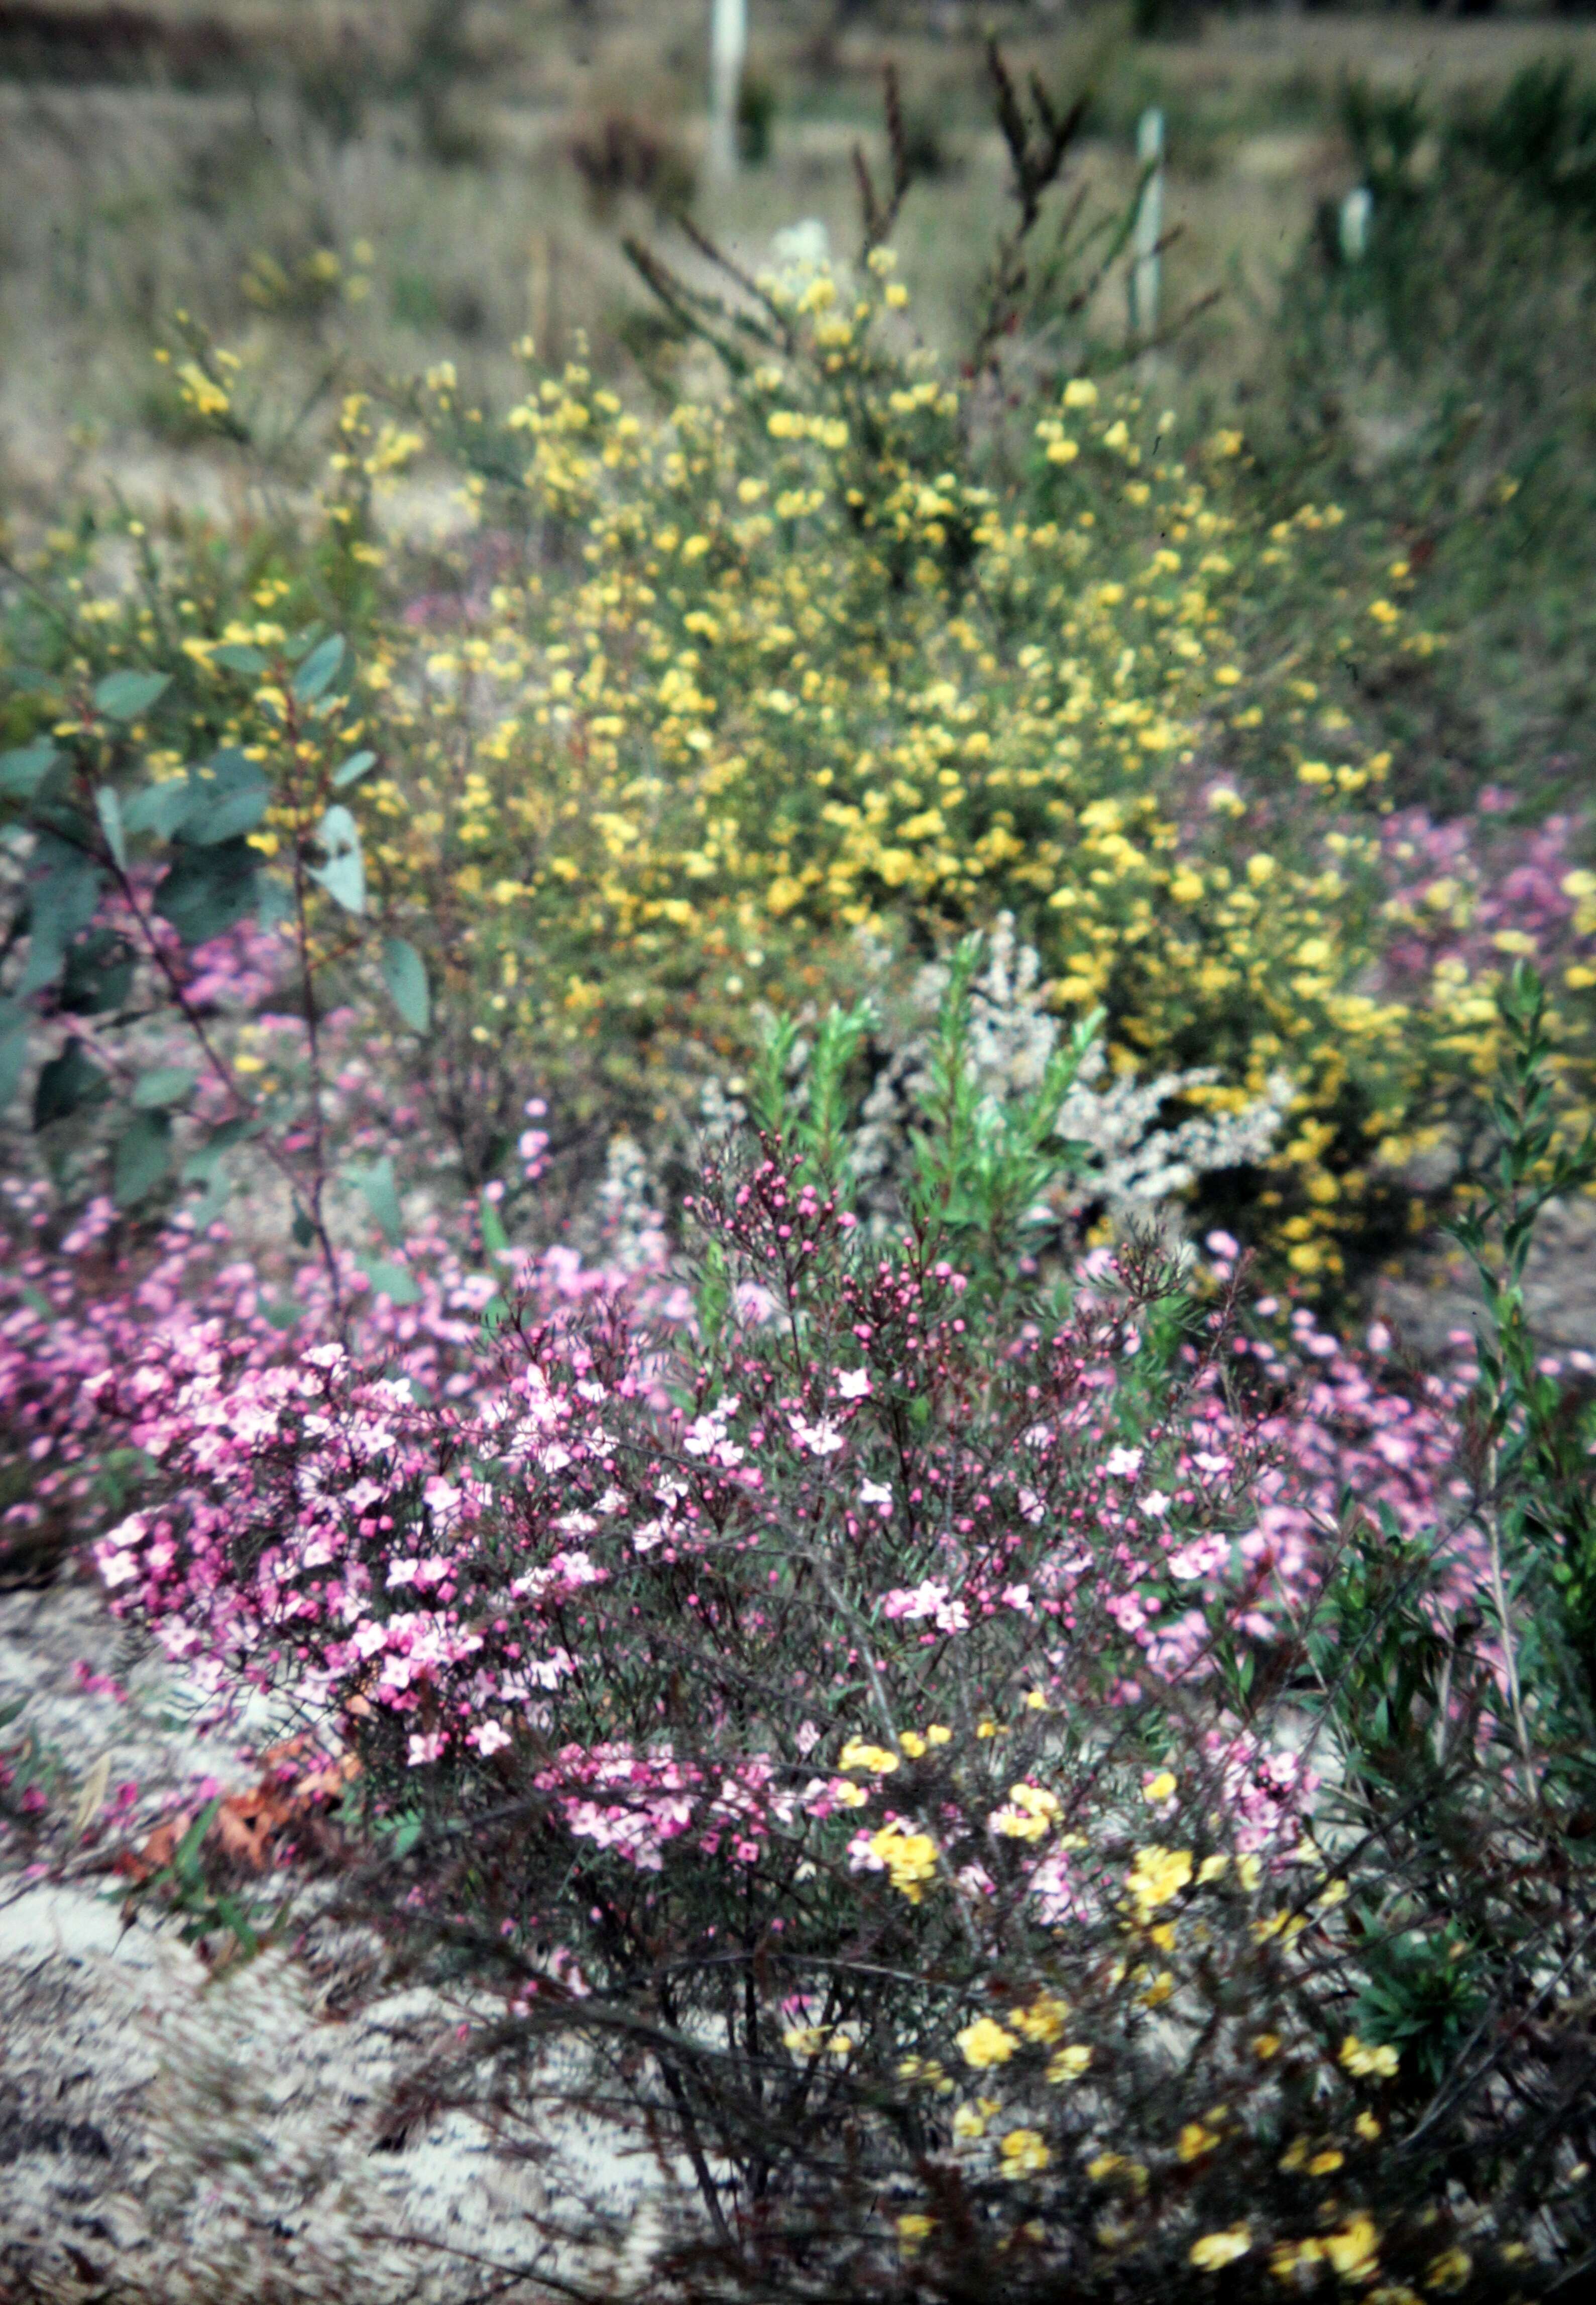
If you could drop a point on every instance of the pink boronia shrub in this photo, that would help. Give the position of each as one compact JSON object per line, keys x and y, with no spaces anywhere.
{"x":898,"y":1748}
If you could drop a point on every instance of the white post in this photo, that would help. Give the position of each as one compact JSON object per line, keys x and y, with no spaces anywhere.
{"x":1357,"y":211}
{"x":728,"y":52}
{"x":1149,"y":224}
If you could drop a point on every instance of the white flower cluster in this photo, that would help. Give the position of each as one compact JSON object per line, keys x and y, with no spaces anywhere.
{"x":631,"y":1228}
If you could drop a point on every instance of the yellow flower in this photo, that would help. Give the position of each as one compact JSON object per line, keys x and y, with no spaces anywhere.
{"x":1353,"y":2252}
{"x":1068,"y":2063}
{"x":1024,"y":2153}
{"x":912,"y":1743}
{"x":1157,"y":1875}
{"x":857,"y":1755}
{"x":1360,"y":2059}
{"x":1043,"y":2020}
{"x":1161,"y":1788}
{"x":1194,"y":2140}
{"x":1216,"y":2250}
{"x":1030,"y":1811}
{"x":1266,"y":2046}
{"x":1450,"y":2270}
{"x":910,"y":1858}
{"x":986,"y":2043}
{"x":819,"y":2041}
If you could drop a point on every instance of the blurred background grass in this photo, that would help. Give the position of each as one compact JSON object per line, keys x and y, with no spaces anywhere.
{"x":422,"y":179}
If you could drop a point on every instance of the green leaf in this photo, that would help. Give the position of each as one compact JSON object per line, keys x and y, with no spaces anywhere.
{"x":228,"y":798}
{"x":495,"y":1239}
{"x":186,"y":1857}
{"x":382,"y":1197}
{"x":143,"y":1158}
{"x":393,"y":1282}
{"x":344,"y":875}
{"x":405,"y":977}
{"x":67,"y":1083}
{"x":60,"y":906}
{"x":159,"y":808}
{"x":352,"y":770}
{"x":209,"y":889}
{"x":234,"y":1132}
{"x":285,"y":1315}
{"x":129,"y":695}
{"x":304,"y":1231}
{"x":14,"y":1051}
{"x":203,"y":1213}
{"x":109,"y":810}
{"x":238,"y":656}
{"x":169,"y":1085}
{"x":100,"y":973}
{"x":320,"y":669}
{"x":21,"y":772}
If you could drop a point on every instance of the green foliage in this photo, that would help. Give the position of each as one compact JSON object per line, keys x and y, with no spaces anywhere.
{"x":1439,"y":384}
{"x":1536,"y":1442}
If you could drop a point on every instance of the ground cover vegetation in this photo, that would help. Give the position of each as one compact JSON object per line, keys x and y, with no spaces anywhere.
{"x":690,"y":1168}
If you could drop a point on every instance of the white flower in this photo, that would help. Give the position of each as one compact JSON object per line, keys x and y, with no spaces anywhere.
{"x":821,"y":1440}
{"x":854,"y":1384}
{"x":1123,"y":1464}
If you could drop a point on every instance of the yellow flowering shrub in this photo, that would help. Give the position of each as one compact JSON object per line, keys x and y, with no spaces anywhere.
{"x":704,"y":713}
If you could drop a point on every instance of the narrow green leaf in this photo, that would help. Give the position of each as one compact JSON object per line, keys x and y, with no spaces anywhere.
{"x":352,"y":770}
{"x":109,"y":809}
{"x":129,"y":695}
{"x":495,"y":1239}
{"x":405,"y":977}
